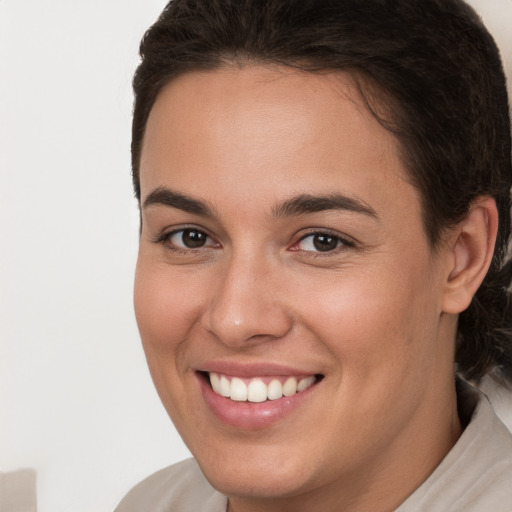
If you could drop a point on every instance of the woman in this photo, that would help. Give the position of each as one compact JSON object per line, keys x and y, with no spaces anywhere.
{"x":325,"y":211}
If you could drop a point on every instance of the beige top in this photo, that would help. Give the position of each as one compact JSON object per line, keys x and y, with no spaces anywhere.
{"x":475,"y":476}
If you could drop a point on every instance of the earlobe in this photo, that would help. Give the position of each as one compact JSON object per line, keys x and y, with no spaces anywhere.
{"x":471,"y":254}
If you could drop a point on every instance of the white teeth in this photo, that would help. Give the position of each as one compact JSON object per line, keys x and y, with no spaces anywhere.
{"x":290,"y":386}
{"x":238,"y":390}
{"x":215,"y":382}
{"x":224,"y":387}
{"x":257,"y":390}
{"x":305,"y":383}
{"x":275,"y":390}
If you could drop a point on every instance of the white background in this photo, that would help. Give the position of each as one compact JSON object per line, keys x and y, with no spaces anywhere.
{"x":77,"y":403}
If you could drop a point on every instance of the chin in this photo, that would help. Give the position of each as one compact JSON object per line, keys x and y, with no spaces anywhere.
{"x":250,"y":471}
{"x":270,"y":480}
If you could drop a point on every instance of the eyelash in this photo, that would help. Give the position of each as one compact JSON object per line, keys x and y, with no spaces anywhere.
{"x":341,"y":242}
{"x":165,"y":238}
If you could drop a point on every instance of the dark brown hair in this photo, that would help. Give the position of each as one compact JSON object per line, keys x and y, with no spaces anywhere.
{"x":437,"y":64}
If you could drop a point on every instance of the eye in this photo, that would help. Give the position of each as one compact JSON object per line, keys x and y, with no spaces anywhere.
{"x":189,"y":239}
{"x":320,"y":242}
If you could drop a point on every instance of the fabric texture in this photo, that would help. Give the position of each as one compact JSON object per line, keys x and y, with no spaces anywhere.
{"x":178,"y":488}
{"x":475,"y":476}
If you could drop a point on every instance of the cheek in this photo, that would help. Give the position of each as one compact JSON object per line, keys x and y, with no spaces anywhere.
{"x":165,"y":313}
{"x":379,"y":322}
{"x":381,"y":336}
{"x":167,"y":306}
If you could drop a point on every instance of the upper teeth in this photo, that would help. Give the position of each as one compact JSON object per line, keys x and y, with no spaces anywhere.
{"x":255,"y":389}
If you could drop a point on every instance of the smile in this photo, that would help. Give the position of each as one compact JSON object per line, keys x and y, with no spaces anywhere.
{"x":255,"y":396}
{"x":259,"y":389}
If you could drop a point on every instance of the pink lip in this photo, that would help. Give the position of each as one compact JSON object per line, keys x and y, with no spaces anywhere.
{"x":248,"y":415}
{"x":251,"y":369}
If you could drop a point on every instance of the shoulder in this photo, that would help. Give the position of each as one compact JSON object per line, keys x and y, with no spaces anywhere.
{"x":476,"y":474}
{"x":180,"y":488}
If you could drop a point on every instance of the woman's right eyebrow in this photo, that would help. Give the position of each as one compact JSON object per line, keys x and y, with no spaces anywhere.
{"x":166,"y":197}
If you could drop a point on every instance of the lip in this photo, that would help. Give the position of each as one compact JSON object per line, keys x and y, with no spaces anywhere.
{"x":249,"y":415}
{"x":249,"y":370}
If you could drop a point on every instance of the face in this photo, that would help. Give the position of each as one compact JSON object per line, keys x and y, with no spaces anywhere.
{"x":283,"y":261}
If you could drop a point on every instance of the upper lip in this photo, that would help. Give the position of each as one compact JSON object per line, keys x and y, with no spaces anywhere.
{"x":248,"y":370}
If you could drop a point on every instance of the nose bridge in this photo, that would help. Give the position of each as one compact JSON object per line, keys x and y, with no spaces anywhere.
{"x":245,"y":305}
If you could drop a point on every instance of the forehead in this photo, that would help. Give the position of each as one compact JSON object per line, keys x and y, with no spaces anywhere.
{"x":231,"y":96}
{"x":274,"y":131}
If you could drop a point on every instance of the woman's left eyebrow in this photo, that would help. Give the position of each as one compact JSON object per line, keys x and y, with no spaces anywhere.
{"x":306,"y":203}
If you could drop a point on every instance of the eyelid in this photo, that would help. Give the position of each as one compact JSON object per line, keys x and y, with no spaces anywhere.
{"x":345,"y":242}
{"x":165,"y":236}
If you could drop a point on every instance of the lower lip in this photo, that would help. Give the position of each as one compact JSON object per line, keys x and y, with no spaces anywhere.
{"x":251,"y":415}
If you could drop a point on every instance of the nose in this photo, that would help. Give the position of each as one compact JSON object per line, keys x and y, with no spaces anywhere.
{"x":247,"y":304}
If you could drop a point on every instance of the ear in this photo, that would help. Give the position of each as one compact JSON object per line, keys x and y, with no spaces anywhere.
{"x":471,"y":249}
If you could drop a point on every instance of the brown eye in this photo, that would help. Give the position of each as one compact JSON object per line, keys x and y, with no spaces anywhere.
{"x":321,"y":242}
{"x":189,"y":239}
{"x":325,"y":242}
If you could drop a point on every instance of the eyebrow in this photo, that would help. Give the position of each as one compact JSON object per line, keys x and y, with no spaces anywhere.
{"x":299,"y":205}
{"x":306,"y":203}
{"x":166,"y":197}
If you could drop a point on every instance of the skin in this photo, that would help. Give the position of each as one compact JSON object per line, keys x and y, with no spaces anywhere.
{"x":376,"y":315}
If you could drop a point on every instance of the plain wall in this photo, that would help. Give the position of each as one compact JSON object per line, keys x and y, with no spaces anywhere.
{"x":77,"y":402}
